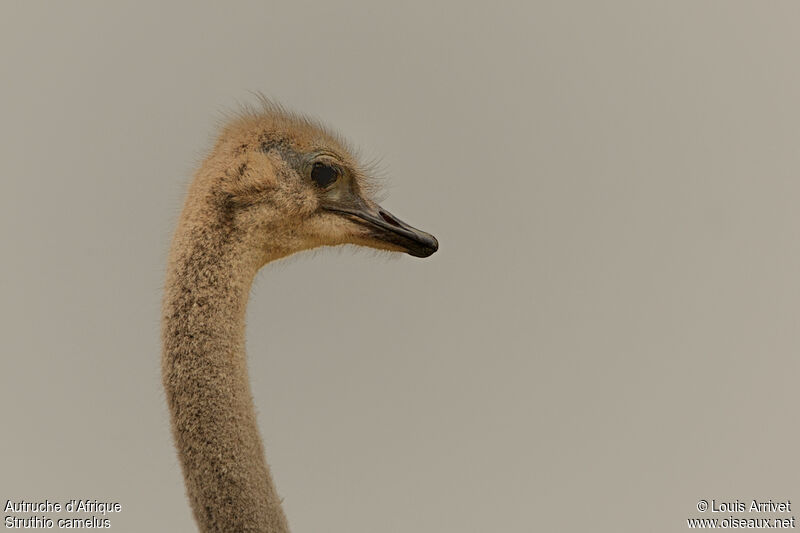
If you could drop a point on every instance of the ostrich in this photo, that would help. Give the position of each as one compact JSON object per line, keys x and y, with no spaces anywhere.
{"x":274,"y":184}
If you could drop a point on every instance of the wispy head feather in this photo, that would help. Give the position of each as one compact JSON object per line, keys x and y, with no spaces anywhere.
{"x":266,"y":120}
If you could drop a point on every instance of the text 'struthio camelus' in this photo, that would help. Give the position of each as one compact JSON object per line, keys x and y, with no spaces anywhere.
{"x":274,"y":184}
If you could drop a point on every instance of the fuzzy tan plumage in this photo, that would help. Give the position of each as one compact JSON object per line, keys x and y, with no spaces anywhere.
{"x":251,"y":202}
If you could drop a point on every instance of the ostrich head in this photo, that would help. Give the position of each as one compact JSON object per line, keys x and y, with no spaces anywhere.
{"x":285,"y":183}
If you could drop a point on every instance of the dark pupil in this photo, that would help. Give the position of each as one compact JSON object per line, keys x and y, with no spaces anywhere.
{"x":323,"y":175}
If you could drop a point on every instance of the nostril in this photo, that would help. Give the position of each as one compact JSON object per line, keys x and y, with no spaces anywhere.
{"x":388,"y":218}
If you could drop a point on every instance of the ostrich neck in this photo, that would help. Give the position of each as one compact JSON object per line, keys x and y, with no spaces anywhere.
{"x":207,"y":386}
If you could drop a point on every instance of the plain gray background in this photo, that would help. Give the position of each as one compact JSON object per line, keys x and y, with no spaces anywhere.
{"x":608,"y":334}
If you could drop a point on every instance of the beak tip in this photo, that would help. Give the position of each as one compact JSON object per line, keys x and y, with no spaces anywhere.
{"x":427,"y":247}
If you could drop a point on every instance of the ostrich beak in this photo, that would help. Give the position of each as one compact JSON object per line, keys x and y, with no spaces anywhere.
{"x":390,"y":229}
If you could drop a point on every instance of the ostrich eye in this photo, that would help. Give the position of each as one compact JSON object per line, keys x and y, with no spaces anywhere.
{"x":323,"y":175}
